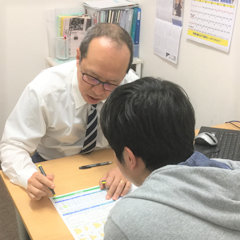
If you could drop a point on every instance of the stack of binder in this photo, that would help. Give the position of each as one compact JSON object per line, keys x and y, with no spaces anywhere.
{"x":123,"y":13}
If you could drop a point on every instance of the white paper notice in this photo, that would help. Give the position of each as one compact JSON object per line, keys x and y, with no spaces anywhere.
{"x":212,"y":22}
{"x":85,"y":212}
{"x":168,"y":28}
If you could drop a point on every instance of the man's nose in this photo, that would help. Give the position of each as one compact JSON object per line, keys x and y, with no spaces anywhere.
{"x":98,"y":89}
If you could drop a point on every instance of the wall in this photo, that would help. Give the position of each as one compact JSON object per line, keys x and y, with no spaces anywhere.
{"x":209,"y":76}
{"x":23,"y":46}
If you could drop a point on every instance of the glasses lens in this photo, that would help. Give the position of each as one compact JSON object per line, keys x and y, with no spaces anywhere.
{"x":93,"y":81}
{"x":109,"y":87}
{"x":90,"y":80}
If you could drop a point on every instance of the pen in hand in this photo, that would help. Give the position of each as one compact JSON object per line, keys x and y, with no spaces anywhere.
{"x":95,"y":165}
{"x":42,"y":171}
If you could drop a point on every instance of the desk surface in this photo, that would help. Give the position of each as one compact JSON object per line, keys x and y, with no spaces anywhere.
{"x":225,"y":125}
{"x":40,"y":218}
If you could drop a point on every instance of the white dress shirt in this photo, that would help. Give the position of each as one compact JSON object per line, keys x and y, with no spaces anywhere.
{"x":50,"y":117}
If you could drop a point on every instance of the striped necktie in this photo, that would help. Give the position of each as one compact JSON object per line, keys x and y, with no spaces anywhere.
{"x":91,"y":133}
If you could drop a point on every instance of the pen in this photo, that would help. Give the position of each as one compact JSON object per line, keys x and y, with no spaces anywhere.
{"x":95,"y":165}
{"x":42,"y":171}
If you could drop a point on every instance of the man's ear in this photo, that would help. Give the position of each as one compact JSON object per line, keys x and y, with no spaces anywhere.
{"x":130,"y":158}
{"x":78,"y":56}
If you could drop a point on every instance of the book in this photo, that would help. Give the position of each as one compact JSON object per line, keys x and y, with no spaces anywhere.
{"x":112,"y":16}
{"x":60,"y":19}
{"x":75,"y":29}
{"x":109,"y":16}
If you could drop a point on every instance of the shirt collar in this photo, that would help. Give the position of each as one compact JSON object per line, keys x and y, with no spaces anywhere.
{"x":78,"y":99}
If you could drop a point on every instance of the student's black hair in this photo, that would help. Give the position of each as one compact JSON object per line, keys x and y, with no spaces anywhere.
{"x":152,"y":117}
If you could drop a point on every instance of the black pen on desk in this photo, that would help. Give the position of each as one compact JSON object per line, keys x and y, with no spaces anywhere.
{"x":42,"y":171}
{"x":95,"y":165}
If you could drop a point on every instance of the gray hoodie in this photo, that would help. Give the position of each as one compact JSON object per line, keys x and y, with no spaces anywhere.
{"x":180,"y":202}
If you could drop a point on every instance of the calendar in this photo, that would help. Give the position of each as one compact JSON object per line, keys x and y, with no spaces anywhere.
{"x":212,"y":22}
{"x":168,"y":29}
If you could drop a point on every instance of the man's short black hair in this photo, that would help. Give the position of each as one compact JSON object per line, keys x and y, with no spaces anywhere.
{"x":153,"y":118}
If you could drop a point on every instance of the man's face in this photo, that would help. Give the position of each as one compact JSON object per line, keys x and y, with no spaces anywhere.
{"x":105,"y":61}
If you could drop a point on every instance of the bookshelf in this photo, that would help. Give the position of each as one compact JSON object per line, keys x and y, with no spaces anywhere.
{"x":73,"y":24}
{"x":124,"y":14}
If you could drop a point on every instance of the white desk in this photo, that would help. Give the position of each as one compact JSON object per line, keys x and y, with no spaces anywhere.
{"x":50,"y":62}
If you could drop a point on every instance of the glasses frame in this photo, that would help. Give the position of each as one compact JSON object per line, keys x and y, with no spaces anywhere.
{"x":103,"y":83}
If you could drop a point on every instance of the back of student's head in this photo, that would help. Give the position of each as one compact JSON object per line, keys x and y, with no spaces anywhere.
{"x":152,"y":117}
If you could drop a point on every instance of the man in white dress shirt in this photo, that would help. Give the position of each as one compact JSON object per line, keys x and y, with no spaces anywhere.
{"x":50,"y":117}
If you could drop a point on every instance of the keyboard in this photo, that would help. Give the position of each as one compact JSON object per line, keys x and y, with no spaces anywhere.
{"x":228,"y":146}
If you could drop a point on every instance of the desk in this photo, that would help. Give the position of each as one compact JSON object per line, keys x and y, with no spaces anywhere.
{"x":224,"y":125}
{"x":40,"y":218}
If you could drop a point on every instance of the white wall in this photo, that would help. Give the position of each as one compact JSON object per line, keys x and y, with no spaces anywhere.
{"x":23,"y":46}
{"x":209,"y":76}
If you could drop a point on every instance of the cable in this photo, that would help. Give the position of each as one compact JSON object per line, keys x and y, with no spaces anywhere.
{"x":232,"y":122}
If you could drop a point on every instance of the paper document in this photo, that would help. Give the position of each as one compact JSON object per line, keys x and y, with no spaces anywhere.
{"x":211,"y":22}
{"x":84,"y":212}
{"x":168,"y":28}
{"x":53,"y":27}
{"x":75,"y":28}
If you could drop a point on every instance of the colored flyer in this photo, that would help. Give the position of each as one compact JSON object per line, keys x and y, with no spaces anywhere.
{"x":212,"y":22}
{"x":85,"y":212}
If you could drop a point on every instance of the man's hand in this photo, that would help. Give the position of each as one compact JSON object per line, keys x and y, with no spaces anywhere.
{"x":116,"y":183}
{"x":38,"y":185}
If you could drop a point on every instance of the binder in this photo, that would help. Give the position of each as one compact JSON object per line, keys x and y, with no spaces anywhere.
{"x":123,"y":18}
{"x":129,"y":17}
{"x":102,"y":16}
{"x":134,"y":22}
{"x":106,"y":16}
{"x":137,"y":31}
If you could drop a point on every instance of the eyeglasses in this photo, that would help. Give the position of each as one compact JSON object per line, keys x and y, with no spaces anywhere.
{"x":94,"y":82}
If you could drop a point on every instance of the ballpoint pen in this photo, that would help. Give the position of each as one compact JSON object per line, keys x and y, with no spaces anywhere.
{"x":95,"y":165}
{"x":42,"y":171}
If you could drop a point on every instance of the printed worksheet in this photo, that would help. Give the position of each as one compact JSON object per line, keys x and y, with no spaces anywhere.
{"x":84,"y":212}
{"x":212,"y":22}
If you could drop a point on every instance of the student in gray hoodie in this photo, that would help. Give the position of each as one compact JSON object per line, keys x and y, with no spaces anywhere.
{"x":181,"y":193}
